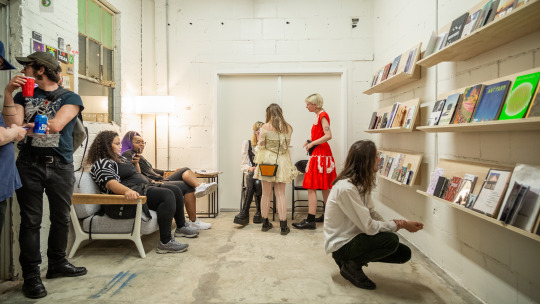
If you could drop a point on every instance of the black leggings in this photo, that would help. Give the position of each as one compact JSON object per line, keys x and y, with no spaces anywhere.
{"x":165,"y":200}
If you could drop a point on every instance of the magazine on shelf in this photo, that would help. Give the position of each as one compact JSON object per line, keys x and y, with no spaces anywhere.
{"x":441,"y":41}
{"x":436,"y":112}
{"x":410,"y":61}
{"x":440,"y":187}
{"x":490,"y":197}
{"x":385,"y":72}
{"x":490,"y":104}
{"x":394,"y":66}
{"x":518,"y":99}
{"x":534,"y":108}
{"x":465,"y":109}
{"x":523,"y":176}
{"x":449,"y":109}
{"x":484,"y":15}
{"x":505,"y":8}
{"x":465,"y":188}
{"x":432,"y":44}
{"x":470,"y":23}
{"x":438,"y":172}
{"x":372,"y":121}
{"x":399,"y":117}
{"x":392,"y":114}
{"x":456,"y":29}
{"x":409,"y":117}
{"x":452,"y":188}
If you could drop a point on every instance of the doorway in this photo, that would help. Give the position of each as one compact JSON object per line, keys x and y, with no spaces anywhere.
{"x":242,"y":100}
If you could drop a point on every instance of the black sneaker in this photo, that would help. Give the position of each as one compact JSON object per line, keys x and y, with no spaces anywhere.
{"x":33,"y":288}
{"x":320,"y":219}
{"x":304,"y":224}
{"x":65,"y":270}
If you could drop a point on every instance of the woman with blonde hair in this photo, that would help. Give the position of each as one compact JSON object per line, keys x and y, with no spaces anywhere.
{"x":273,"y":148}
{"x":321,"y":168}
{"x":253,"y":185}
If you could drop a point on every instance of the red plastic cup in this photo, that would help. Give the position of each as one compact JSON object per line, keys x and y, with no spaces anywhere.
{"x":28,"y":87}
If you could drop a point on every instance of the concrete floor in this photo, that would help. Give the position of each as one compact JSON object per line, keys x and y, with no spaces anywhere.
{"x":230,"y":264}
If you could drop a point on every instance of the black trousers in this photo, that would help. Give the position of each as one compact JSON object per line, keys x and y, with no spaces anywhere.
{"x":168,"y":202}
{"x":56,"y":179}
{"x":382,"y":247}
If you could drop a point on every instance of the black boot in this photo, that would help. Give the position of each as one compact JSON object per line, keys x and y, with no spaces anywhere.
{"x":354,"y":274}
{"x":266,"y":225}
{"x":320,"y":219}
{"x":284,"y":228}
{"x":242,"y":218}
{"x":33,"y":288}
{"x":257,"y":218}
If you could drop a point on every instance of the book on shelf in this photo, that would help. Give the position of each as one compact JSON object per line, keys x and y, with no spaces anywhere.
{"x":471,"y":199}
{"x":528,"y":208}
{"x":465,"y":188}
{"x":379,"y":121}
{"x":491,"y":195}
{"x":449,"y":109}
{"x":378,"y":77}
{"x":394,"y":66}
{"x":386,"y":71}
{"x":399,"y":117}
{"x":492,"y":12}
{"x":490,"y":104}
{"x":505,"y":7}
{"x":382,"y":159}
{"x":392,"y":114}
{"x":534,"y":108}
{"x":403,"y":173}
{"x":409,"y":117}
{"x":440,"y":187}
{"x":411,"y":61}
{"x":438,"y":172}
{"x":518,"y":99}
{"x":436,"y":112}
{"x":456,"y":29}
{"x":384,"y":120}
{"x":373,"y":120}
{"x":441,"y":41}
{"x":452,"y":188}
{"x":471,"y":23}
{"x":432,"y":44}
{"x":466,"y":107}
{"x":388,"y":165}
{"x":520,"y":3}
{"x":408,"y":177}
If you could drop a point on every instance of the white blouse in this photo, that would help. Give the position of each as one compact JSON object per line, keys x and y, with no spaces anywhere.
{"x":245,"y":163}
{"x":348,"y":214}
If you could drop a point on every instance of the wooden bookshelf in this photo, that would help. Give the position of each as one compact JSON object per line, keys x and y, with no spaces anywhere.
{"x":415,"y":118}
{"x":415,"y":159}
{"x":483,"y":217}
{"x":523,"y":124}
{"x":402,"y":78}
{"x":520,"y":22}
{"x":460,"y":168}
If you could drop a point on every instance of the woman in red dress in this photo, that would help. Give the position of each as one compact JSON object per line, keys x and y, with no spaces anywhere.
{"x":321,"y":168}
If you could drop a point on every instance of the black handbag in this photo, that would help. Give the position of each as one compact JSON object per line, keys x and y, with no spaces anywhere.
{"x":310,"y":151}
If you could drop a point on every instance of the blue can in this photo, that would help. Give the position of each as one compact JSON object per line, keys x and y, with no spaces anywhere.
{"x":40,"y":124}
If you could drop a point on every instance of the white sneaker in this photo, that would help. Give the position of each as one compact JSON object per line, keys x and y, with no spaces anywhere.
{"x":205,"y":189}
{"x":198,"y":225}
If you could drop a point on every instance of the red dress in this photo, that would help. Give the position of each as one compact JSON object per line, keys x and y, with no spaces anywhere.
{"x":321,"y":168}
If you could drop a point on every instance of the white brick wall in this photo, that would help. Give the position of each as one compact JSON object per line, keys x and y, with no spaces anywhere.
{"x":497,"y":265}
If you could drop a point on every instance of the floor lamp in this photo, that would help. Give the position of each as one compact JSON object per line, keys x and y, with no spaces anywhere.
{"x":156,"y":105}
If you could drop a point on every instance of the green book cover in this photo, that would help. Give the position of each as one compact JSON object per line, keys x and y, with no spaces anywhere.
{"x":519,"y":98}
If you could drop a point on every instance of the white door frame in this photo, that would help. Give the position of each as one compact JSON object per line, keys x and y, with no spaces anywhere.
{"x":257,"y":72}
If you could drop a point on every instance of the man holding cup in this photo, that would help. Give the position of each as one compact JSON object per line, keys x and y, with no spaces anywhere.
{"x":10,"y":178}
{"x":43,"y":166}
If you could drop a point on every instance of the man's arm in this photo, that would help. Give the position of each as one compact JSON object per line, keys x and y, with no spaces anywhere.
{"x":15,"y":133}
{"x":13,"y":113}
{"x":65,"y":114}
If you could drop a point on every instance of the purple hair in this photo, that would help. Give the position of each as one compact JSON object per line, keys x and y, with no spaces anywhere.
{"x":127,"y":143}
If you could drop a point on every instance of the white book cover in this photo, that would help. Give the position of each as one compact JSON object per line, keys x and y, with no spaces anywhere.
{"x":434,"y":178}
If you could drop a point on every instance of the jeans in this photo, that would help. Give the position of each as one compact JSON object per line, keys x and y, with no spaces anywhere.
{"x":56,"y":179}
{"x":382,"y":247}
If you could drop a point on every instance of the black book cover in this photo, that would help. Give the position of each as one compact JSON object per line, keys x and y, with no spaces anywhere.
{"x":439,"y":188}
{"x":457,"y":28}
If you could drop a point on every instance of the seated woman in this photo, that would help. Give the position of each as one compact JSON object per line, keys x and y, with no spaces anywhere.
{"x":354,"y":232}
{"x":115,"y":174}
{"x":133,"y":146}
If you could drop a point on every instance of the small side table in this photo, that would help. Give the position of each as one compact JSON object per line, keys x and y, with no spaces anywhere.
{"x":213,"y":198}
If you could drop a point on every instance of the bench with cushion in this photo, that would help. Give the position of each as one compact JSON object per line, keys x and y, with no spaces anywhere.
{"x":87,"y":201}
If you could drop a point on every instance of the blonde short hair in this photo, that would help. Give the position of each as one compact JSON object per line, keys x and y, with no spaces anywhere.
{"x":315,"y":99}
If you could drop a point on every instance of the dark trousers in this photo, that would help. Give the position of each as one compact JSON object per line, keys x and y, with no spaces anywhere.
{"x":56,"y":180}
{"x":166,"y":200}
{"x":382,"y":247}
{"x":253,"y":187}
{"x":177,"y":177}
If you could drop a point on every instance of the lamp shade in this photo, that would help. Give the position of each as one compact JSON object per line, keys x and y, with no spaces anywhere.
{"x":154,"y":104}
{"x":96,"y":104}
